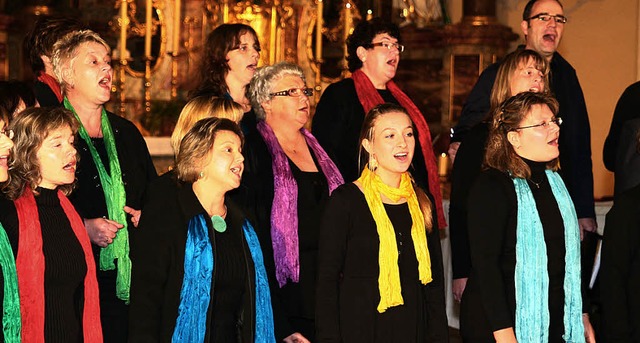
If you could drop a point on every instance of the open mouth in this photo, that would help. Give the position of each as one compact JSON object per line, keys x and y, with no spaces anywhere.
{"x":237,"y":171}
{"x":402,"y":156}
{"x":70,"y":167}
{"x":252,"y":67}
{"x":105,"y":82}
{"x":550,"y":37}
{"x":553,"y":142}
{"x":4,"y":161}
{"x":393,"y":62}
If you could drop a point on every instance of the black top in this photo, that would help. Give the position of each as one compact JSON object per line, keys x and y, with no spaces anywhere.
{"x":293,"y":301}
{"x":337,"y":124}
{"x":620,"y":270}
{"x":626,"y":109}
{"x":348,"y":270}
{"x":65,"y":266}
{"x":45,"y":96}
{"x":488,"y":303}
{"x":465,"y":171}
{"x":157,"y":254}
{"x":575,"y":136}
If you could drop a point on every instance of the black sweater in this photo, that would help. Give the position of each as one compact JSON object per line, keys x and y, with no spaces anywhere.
{"x":65,"y":266}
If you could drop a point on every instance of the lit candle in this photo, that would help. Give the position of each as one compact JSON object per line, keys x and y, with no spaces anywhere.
{"x":124,"y":21}
{"x":149,"y":25}
{"x":443,"y":165}
{"x":176,"y":28}
{"x":319,"y":32}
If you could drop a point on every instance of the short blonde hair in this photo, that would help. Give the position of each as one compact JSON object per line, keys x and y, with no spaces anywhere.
{"x":65,"y":52}
{"x":201,"y":107}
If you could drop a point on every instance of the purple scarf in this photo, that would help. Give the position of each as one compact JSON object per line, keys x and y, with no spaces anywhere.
{"x":284,"y":210}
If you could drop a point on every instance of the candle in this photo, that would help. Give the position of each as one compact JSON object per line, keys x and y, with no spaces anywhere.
{"x":176,"y":28}
{"x":443,"y":165}
{"x":124,"y":21}
{"x":149,"y":25}
{"x":347,"y":26}
{"x":319,"y":32}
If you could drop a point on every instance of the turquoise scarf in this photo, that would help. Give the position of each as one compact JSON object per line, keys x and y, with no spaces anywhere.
{"x":531,"y":276}
{"x":115,"y":198}
{"x":195,"y":296}
{"x":11,"y":323}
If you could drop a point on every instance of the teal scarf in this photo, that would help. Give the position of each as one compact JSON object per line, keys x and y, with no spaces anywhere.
{"x":195,"y":296}
{"x":115,"y":198}
{"x":531,"y":276}
{"x":11,"y":323}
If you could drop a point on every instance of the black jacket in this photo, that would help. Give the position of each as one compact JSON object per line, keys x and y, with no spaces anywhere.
{"x":157,"y":255}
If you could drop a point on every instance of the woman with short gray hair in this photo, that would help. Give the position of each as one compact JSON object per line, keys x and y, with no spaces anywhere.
{"x":287,"y":181}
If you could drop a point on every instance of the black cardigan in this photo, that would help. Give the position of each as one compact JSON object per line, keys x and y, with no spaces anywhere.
{"x":348,"y":292}
{"x":157,"y":255}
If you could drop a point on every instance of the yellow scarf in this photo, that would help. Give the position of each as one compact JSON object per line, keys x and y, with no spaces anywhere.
{"x":389,"y":278}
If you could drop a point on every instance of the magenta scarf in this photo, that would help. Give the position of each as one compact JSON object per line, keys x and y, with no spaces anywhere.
{"x":284,"y":210}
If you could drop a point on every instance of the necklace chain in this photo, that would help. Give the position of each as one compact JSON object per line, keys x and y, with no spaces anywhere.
{"x":535,"y":183}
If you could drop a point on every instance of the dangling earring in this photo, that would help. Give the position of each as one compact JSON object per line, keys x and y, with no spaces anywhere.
{"x":373,"y":163}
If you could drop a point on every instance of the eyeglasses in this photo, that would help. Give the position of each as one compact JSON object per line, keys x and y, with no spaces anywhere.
{"x":7,"y":132}
{"x":557,"y":121}
{"x":559,"y":19}
{"x":389,"y":46}
{"x":294,"y":92}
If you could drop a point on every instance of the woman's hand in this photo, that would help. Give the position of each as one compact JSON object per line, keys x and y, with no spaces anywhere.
{"x":458,"y":288}
{"x":102,"y":231}
{"x":135,"y":215}
{"x":589,"y":334}
{"x":296,"y":338}
{"x":505,"y":336}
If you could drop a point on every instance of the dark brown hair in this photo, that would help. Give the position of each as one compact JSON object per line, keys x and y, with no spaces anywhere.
{"x":46,"y":32}
{"x":214,"y":66}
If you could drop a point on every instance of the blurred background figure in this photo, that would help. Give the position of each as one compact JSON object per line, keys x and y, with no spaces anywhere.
{"x":621,"y":153}
{"x":38,"y":47}
{"x":15,"y":97}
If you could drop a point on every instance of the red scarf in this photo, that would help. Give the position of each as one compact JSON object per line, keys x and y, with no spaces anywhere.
{"x":30,"y":267}
{"x":369,"y":98}
{"x":52,"y":83}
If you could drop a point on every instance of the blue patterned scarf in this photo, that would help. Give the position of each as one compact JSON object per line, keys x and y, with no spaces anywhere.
{"x":195,"y":296}
{"x":531,"y":275}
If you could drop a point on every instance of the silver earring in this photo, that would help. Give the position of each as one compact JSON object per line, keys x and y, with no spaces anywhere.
{"x":201,"y":175}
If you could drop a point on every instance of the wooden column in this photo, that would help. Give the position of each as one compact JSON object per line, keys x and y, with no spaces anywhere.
{"x":479,"y":12}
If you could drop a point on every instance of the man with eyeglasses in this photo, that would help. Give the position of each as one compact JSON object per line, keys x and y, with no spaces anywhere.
{"x":543,"y":25}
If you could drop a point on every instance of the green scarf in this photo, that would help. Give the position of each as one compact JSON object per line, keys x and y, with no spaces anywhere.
{"x":115,"y":197}
{"x":11,"y":322}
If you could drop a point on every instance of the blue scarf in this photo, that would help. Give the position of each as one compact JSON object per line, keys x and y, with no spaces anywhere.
{"x":195,"y":295}
{"x":531,"y":275}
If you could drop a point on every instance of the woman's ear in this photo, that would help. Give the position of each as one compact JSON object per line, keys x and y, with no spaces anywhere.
{"x":366,"y":144}
{"x":266,"y":106}
{"x":362,"y":53}
{"x":67,"y":75}
{"x":514,"y":138}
